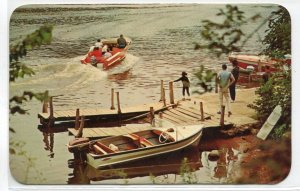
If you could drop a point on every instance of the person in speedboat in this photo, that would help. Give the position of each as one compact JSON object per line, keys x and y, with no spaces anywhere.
{"x":121,"y":42}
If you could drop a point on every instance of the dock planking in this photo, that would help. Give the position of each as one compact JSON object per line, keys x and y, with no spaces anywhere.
{"x":96,"y":114}
{"x":108,"y":131}
{"x":178,"y":116}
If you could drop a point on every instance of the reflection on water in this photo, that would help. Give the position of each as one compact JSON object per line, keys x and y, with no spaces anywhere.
{"x":49,"y":141}
{"x":169,"y":163}
{"x":166,"y":168}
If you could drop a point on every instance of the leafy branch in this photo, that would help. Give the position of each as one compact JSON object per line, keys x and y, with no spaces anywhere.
{"x":222,"y":38}
{"x":18,"y":70}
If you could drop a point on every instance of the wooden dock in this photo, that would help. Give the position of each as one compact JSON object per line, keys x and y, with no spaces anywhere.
{"x":98,"y":114}
{"x":183,"y":113}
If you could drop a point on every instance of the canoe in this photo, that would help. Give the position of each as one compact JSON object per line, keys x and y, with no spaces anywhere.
{"x":257,"y":62}
{"x":118,"y":54}
{"x":138,"y":145}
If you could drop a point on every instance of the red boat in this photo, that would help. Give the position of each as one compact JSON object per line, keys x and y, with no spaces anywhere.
{"x":258,"y":63}
{"x":95,"y":57}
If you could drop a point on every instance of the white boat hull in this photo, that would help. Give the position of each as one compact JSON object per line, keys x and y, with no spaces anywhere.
{"x":97,"y":161}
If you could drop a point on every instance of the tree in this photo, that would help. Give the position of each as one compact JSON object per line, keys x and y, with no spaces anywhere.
{"x":278,"y":90}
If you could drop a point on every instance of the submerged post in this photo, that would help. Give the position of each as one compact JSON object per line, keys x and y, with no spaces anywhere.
{"x":118,"y":102}
{"x":152,"y":121}
{"x":161,"y":90}
{"x":222,"y":115}
{"x":164,"y":97}
{"x":77,"y":119}
{"x":201,"y":111}
{"x":112,"y":99}
{"x":171,"y":93}
{"x":79,"y":134}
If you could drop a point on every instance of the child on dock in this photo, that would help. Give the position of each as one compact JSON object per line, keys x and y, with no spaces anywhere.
{"x":185,"y":84}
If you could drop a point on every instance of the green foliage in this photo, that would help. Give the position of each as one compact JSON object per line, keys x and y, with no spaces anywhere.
{"x":206,"y":79}
{"x":18,"y":70}
{"x":277,"y":91}
{"x":222,"y":38}
{"x":186,"y":172}
{"x":17,"y":148}
{"x":278,"y":38}
{"x":41,"y":36}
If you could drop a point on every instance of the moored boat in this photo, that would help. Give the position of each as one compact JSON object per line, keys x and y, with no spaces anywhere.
{"x":95,"y":57}
{"x":257,"y":62}
{"x":138,"y":145}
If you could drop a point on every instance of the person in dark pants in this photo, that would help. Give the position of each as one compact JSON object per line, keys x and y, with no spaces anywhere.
{"x":235,"y":72}
{"x":185,"y":84}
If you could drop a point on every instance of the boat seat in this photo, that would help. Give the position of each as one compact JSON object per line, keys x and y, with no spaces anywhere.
{"x":99,"y":150}
{"x":142,"y":140}
{"x":104,"y":147}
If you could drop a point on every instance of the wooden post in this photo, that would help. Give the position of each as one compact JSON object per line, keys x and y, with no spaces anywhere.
{"x":171,"y":93}
{"x":51,"y":116}
{"x":51,"y":107}
{"x":259,"y":66}
{"x":201,"y":111}
{"x":222,"y":116}
{"x":152,"y":122}
{"x":249,"y":78}
{"x":161,"y":90}
{"x":77,"y":119}
{"x":118,"y":102}
{"x":45,"y":107}
{"x":112,"y":99}
{"x":164,"y":97}
{"x":216,"y":85}
{"x":79,"y":134}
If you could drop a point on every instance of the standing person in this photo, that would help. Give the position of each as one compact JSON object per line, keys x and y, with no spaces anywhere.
{"x":235,"y":72}
{"x":121,"y":42}
{"x":225,"y":79}
{"x":185,"y":84}
{"x":266,"y":74}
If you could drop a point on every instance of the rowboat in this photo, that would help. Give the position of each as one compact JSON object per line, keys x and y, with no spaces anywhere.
{"x":118,"y":54}
{"x":129,"y":147}
{"x":257,"y":62}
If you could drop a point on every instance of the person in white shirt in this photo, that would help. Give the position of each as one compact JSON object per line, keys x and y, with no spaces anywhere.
{"x":99,"y":44}
{"x":107,"y":54}
{"x":104,"y":49}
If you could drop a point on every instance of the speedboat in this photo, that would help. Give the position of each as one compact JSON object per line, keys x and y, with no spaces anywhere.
{"x":96,"y":58}
{"x":257,"y":62}
{"x":129,"y":147}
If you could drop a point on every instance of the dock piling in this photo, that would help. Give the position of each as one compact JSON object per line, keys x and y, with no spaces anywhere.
{"x":201,"y":111}
{"x":45,"y":107}
{"x":118,"y":102}
{"x":79,"y":134}
{"x":151,"y":113}
{"x":222,"y":116}
{"x":51,"y":107}
{"x":164,"y":97}
{"x":171,"y":93}
{"x":77,"y":119}
{"x":161,"y":90}
{"x":112,"y":99}
{"x":51,"y":116}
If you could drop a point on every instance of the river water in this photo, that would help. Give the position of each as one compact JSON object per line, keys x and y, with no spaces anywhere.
{"x":162,"y":47}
